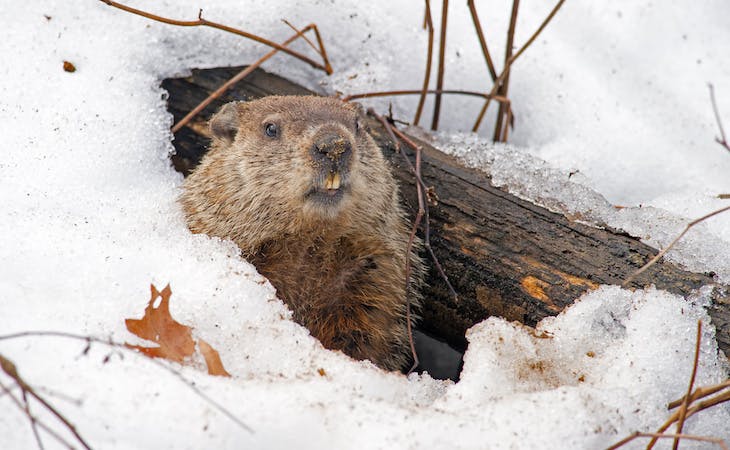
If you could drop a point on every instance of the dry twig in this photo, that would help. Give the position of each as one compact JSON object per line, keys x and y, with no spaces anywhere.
{"x":688,"y":408}
{"x":482,"y":40}
{"x":109,"y":343}
{"x":722,"y":140}
{"x":701,"y":392}
{"x":203,"y":22}
{"x":497,"y":98}
{"x":411,"y":238}
{"x":424,"y":190}
{"x":325,"y":65}
{"x":691,"y":437}
{"x":442,"y":63}
{"x":512,"y":59}
{"x":501,"y":82}
{"x":34,"y":420}
{"x":503,"y":87}
{"x":685,"y":403}
{"x":693,"y":409}
{"x":428,"y":24}
{"x":669,"y":247}
{"x":422,"y":216}
{"x":10,"y":370}
{"x":245,"y":72}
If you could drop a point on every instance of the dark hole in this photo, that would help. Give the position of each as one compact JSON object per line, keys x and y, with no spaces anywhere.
{"x":436,"y":357}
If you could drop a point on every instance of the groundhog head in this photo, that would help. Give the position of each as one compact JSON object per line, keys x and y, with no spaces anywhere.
{"x":305,"y":154}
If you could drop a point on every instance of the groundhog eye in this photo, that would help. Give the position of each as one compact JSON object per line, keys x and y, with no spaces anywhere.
{"x":357,"y":125}
{"x":271,"y":130}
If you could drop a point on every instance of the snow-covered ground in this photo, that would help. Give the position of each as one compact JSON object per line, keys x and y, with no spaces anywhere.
{"x":614,"y":90}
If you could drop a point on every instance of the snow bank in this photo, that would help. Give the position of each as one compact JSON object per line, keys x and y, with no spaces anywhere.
{"x":89,"y":220}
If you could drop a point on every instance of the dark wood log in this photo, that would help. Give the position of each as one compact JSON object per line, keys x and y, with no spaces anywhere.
{"x":504,"y":256}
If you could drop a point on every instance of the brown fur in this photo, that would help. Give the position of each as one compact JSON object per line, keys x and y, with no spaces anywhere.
{"x":337,"y":257}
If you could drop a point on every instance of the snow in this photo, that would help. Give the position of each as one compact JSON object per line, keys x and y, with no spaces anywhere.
{"x":616,"y":91}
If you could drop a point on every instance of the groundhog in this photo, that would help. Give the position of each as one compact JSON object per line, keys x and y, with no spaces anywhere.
{"x":301,"y":187}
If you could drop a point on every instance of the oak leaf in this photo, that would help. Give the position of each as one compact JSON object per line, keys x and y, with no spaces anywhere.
{"x":174,"y":340}
{"x":212,"y":359}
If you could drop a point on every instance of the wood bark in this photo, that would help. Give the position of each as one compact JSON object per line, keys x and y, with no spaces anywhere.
{"x":504,"y":256}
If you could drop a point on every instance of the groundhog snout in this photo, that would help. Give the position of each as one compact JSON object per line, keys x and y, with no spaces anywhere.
{"x":332,"y":150}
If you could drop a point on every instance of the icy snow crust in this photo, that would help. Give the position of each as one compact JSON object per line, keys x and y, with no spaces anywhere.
{"x":89,"y":220}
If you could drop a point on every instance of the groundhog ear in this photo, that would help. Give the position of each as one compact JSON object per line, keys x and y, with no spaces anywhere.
{"x":358,"y":108}
{"x":224,"y":123}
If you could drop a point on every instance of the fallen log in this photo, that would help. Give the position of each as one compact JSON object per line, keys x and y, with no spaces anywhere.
{"x":504,"y":256}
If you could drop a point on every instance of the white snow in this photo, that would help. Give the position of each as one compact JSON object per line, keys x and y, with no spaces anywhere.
{"x":616,"y":91}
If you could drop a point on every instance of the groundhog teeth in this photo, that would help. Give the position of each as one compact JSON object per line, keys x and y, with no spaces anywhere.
{"x":333,"y":181}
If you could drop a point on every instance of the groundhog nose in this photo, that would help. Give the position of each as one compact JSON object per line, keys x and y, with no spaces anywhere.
{"x":333,"y":146}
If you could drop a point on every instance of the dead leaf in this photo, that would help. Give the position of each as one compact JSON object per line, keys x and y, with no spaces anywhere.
{"x":69,"y":67}
{"x":212,"y":359}
{"x":174,"y":340}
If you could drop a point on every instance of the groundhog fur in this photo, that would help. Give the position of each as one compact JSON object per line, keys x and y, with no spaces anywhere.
{"x":301,"y":187}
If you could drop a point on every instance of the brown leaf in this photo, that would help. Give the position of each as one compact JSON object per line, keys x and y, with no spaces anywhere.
{"x":69,"y":67}
{"x":174,"y":339}
{"x":212,"y":359}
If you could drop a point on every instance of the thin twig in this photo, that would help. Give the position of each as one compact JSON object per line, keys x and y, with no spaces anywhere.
{"x":10,"y":370}
{"x":323,"y":50}
{"x":694,"y":409}
{"x":427,"y":228}
{"x":685,"y":404}
{"x":701,"y":392}
{"x":220,"y":91}
{"x":691,"y":437}
{"x":482,"y":40}
{"x":508,"y":124}
{"x":411,"y":240}
{"x":669,"y":247}
{"x":709,"y":403}
{"x":43,"y":426}
{"x":33,"y":421}
{"x":203,"y":22}
{"x":238,"y":77}
{"x":113,"y":344}
{"x":422,"y":216}
{"x":504,"y":84}
{"x":511,"y":61}
{"x":442,"y":63}
{"x":300,"y":33}
{"x":59,"y":395}
{"x":722,"y":140}
{"x":497,"y":98}
{"x":428,"y":24}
